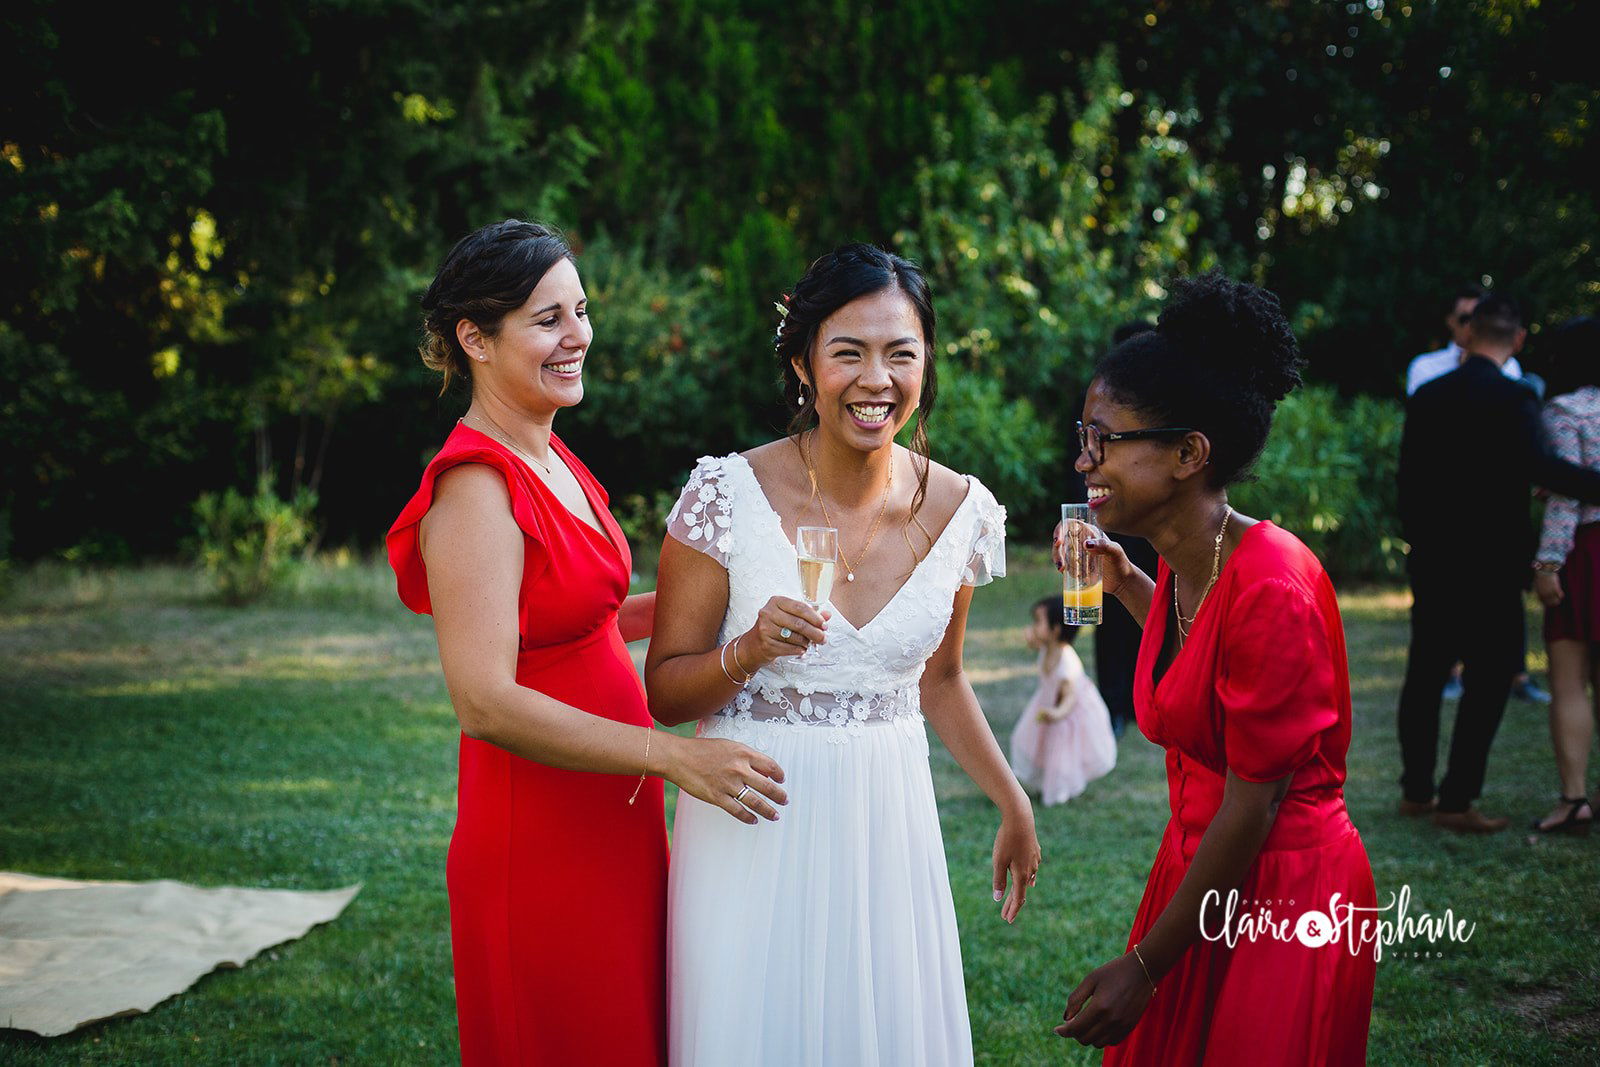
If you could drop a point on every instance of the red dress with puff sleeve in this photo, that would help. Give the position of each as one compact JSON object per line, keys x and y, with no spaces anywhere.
{"x":557,"y":885}
{"x":1261,"y":687}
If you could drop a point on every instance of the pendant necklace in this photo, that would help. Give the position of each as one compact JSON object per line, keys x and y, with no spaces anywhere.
{"x":850,"y":571}
{"x":1216,"y":569}
{"x":505,"y":439}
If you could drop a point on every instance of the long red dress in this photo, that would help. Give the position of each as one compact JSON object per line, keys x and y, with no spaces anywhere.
{"x":558,"y":888}
{"x":1261,"y":687}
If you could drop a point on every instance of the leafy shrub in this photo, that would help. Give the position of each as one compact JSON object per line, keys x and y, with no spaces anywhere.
{"x":976,"y":429}
{"x":660,"y":388}
{"x":246,"y":543}
{"x":1328,"y":476}
{"x":1036,"y":255}
{"x":643,"y":517}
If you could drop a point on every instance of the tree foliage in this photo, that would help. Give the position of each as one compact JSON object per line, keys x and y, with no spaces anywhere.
{"x":220,"y":218}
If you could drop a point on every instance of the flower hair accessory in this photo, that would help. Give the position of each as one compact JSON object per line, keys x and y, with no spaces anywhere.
{"x":783,"y":316}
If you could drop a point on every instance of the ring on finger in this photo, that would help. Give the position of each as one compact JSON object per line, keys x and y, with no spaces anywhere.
{"x":786,"y":633}
{"x":740,"y":795}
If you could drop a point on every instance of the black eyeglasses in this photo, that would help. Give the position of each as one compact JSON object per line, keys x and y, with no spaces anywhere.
{"x":1092,"y":440}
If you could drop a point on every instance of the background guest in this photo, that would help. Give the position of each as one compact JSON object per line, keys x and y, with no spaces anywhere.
{"x":1063,"y":740}
{"x":1471,"y":451}
{"x":1567,"y":572}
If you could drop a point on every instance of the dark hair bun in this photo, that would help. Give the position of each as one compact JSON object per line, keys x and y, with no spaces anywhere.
{"x":1219,"y":360}
{"x":1235,"y":329}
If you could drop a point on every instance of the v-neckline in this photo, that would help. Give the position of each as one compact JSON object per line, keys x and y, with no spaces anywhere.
{"x":1167,"y":626}
{"x":777,"y":519}
{"x":600,"y":513}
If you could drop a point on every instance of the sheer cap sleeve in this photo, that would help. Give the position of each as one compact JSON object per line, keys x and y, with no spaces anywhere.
{"x":1276,"y":686}
{"x":703,"y":516}
{"x":986,"y":554}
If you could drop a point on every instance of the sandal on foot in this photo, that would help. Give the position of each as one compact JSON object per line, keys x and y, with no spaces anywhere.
{"x":1571,"y":824}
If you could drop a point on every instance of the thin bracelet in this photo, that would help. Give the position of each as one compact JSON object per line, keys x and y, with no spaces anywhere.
{"x":722,"y":661}
{"x":747,"y":674}
{"x":649,"y":732}
{"x":1145,"y":969}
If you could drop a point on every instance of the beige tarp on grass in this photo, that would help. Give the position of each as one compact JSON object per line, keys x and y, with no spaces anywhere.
{"x":75,"y":952}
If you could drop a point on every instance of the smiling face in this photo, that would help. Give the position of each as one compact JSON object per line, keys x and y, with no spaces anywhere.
{"x":535,"y":360}
{"x":866,"y":370}
{"x":1138,"y":481}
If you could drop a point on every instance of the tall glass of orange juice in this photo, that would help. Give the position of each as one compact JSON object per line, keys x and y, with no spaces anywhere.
{"x":1080,"y":588}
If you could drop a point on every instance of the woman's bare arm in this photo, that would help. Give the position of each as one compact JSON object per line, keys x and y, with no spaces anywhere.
{"x":637,"y":617}
{"x":473,"y":552}
{"x":1118,"y":992}
{"x":687,"y":674}
{"x":951,"y":707}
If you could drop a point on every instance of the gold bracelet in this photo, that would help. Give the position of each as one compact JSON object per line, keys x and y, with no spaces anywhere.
{"x":649,"y":732}
{"x":747,"y":674}
{"x":1145,"y":969}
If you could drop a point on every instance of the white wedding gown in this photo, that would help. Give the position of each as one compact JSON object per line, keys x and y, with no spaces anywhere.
{"x":828,"y":938}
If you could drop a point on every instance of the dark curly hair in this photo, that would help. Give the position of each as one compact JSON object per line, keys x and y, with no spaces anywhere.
{"x":1219,"y":360}
{"x":486,"y":276}
{"x":848,"y":273}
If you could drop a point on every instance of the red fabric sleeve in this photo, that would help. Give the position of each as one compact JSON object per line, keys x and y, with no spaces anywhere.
{"x":411,"y":576}
{"x":1276,"y":685}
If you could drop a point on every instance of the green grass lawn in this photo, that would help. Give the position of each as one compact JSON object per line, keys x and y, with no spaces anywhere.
{"x":307,"y":743}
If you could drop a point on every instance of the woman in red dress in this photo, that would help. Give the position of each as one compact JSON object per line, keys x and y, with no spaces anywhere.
{"x":1242,"y":678}
{"x":557,"y":868}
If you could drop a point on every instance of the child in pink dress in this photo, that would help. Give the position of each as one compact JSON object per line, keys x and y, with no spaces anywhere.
{"x":1063,"y":740}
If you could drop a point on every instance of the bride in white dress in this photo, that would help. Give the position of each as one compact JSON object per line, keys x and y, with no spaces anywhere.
{"x":829,"y":936}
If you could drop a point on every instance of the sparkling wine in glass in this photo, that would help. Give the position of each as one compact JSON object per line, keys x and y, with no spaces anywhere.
{"x":816,"y":553}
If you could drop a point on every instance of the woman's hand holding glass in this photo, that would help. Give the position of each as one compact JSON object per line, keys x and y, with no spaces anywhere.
{"x":784,"y":627}
{"x":1115,"y":567}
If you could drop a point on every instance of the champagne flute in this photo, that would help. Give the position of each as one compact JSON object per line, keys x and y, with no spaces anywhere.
{"x":816,"y":551}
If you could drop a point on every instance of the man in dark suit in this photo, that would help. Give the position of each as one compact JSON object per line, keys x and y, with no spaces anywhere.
{"x":1471,"y":453}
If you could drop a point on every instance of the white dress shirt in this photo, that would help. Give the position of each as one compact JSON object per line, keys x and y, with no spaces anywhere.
{"x":1430,"y":365}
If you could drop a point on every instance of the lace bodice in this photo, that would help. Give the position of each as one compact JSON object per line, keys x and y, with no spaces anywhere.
{"x":861,"y":676}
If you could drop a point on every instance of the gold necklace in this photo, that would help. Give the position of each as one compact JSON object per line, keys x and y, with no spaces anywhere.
{"x":1216,"y":569}
{"x":505,"y":439}
{"x":850,"y":571}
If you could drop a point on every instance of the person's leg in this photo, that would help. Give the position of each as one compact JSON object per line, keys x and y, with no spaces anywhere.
{"x":1571,"y":721}
{"x":1523,"y":687}
{"x":1491,"y":658}
{"x":1433,"y":651}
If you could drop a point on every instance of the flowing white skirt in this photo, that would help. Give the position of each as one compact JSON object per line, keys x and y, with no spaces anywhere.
{"x":829,"y":937}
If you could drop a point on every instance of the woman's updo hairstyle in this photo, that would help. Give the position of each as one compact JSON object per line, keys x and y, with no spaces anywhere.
{"x":1219,"y":360}
{"x":848,"y":273}
{"x":486,"y":276}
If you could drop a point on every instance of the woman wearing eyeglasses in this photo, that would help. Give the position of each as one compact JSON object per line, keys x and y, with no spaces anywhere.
{"x":1242,"y":678}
